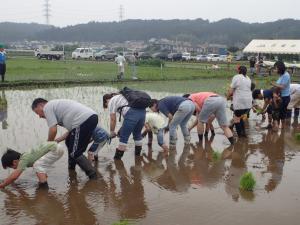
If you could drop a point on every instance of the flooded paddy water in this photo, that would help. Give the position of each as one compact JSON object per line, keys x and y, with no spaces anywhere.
{"x":186,"y":187}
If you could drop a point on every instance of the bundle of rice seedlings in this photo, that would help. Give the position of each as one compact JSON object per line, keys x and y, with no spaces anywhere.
{"x":216,"y":156}
{"x":297,"y":136}
{"x":247,"y":182}
{"x":122,"y":222}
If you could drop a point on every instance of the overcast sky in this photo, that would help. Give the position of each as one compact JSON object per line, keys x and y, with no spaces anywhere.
{"x":70,"y":12}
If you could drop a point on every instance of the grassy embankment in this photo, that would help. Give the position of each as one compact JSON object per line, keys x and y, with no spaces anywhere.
{"x":30,"y":71}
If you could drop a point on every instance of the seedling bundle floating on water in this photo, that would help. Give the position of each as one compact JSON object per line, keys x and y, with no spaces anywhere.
{"x":247,"y":182}
{"x":216,"y":156}
{"x":122,"y":222}
{"x":297,"y":136}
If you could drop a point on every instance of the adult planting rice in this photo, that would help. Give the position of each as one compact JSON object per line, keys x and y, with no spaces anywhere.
{"x":295,"y":101}
{"x":240,"y":90}
{"x":179,"y":110}
{"x":78,"y":119}
{"x":210,"y":104}
{"x":283,"y":87}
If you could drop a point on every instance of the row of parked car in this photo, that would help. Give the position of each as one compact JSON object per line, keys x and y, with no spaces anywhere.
{"x":89,"y":53}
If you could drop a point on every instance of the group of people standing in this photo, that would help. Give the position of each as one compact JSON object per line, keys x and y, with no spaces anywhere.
{"x":164,"y":115}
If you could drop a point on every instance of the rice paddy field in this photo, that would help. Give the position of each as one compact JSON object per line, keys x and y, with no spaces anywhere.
{"x":200,"y":183}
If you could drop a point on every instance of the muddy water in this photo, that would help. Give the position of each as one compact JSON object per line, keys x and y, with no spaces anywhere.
{"x":185,"y":187}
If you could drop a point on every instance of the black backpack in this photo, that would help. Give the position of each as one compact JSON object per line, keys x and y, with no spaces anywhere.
{"x":136,"y":99}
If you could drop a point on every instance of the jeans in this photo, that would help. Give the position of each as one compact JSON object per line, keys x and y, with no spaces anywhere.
{"x":99,"y":137}
{"x":160,"y":137}
{"x":134,"y":121}
{"x":283,"y":107}
{"x":181,"y":117}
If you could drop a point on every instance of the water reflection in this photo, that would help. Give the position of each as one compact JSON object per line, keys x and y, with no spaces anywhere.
{"x":3,"y":110}
{"x":148,"y":188}
{"x":273,"y":148}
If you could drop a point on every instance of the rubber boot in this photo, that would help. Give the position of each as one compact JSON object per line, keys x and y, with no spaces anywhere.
{"x":231,"y":140}
{"x":206,"y":134}
{"x":137,"y":150}
{"x":296,"y":112}
{"x":86,"y":166}
{"x":243,"y":130}
{"x":238,"y":129}
{"x":200,"y":136}
{"x":119,"y":154}
{"x":72,"y":163}
{"x":212,"y":131}
{"x":43,"y":186}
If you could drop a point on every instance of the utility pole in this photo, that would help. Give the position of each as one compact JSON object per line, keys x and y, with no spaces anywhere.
{"x":47,"y":11}
{"x":121,"y":13}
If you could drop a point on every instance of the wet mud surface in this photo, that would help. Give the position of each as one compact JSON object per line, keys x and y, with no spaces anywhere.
{"x":187,"y":186}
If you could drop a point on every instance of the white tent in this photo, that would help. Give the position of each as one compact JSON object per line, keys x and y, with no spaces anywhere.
{"x":273,"y":47}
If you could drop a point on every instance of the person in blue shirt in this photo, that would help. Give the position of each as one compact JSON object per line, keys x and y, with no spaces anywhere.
{"x":2,"y":62}
{"x":282,"y":85}
{"x":179,"y":110}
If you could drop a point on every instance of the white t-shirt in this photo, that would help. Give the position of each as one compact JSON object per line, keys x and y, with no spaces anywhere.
{"x":156,"y":121}
{"x":116,"y":102}
{"x":242,"y":95}
{"x":66,"y":113}
{"x":120,"y":60}
{"x":294,"y":88}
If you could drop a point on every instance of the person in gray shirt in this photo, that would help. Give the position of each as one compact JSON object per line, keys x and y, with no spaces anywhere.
{"x":80,"y":122}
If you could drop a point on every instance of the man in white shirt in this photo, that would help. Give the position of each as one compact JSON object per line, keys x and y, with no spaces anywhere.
{"x":78,"y":119}
{"x":120,"y":60}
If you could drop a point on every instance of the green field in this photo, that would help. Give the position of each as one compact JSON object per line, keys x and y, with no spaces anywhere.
{"x":26,"y":71}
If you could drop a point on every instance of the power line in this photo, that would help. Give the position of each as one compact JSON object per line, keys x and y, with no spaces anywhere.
{"x":47,"y":11}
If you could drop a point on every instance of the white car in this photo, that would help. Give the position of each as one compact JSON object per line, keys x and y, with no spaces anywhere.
{"x":83,"y":53}
{"x":213,"y":58}
{"x":186,"y":56}
{"x":201,"y":58}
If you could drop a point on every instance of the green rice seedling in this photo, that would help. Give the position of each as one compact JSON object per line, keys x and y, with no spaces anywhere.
{"x":247,"y":182}
{"x":297,"y":136}
{"x":216,"y":156}
{"x":122,"y":222}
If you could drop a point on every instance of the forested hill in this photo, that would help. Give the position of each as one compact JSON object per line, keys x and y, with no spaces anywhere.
{"x":226,"y":31}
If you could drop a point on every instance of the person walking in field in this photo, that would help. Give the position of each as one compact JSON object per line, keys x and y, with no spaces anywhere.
{"x":2,"y":62}
{"x":40,"y":158}
{"x":80,"y":122}
{"x":120,"y":60}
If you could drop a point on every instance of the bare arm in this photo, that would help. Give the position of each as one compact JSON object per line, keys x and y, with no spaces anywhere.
{"x":11,"y":178}
{"x":52,"y":133}
{"x":63,"y":137}
{"x":113,"y":122}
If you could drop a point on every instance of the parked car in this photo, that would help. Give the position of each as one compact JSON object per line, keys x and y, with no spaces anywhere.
{"x":175,"y":56}
{"x":83,"y":53}
{"x":201,"y":58}
{"x":106,"y":55}
{"x":186,"y":56}
{"x":144,"y":55}
{"x":223,"y":58}
{"x":160,"y":55}
{"x":213,"y":57}
{"x":240,"y":57}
